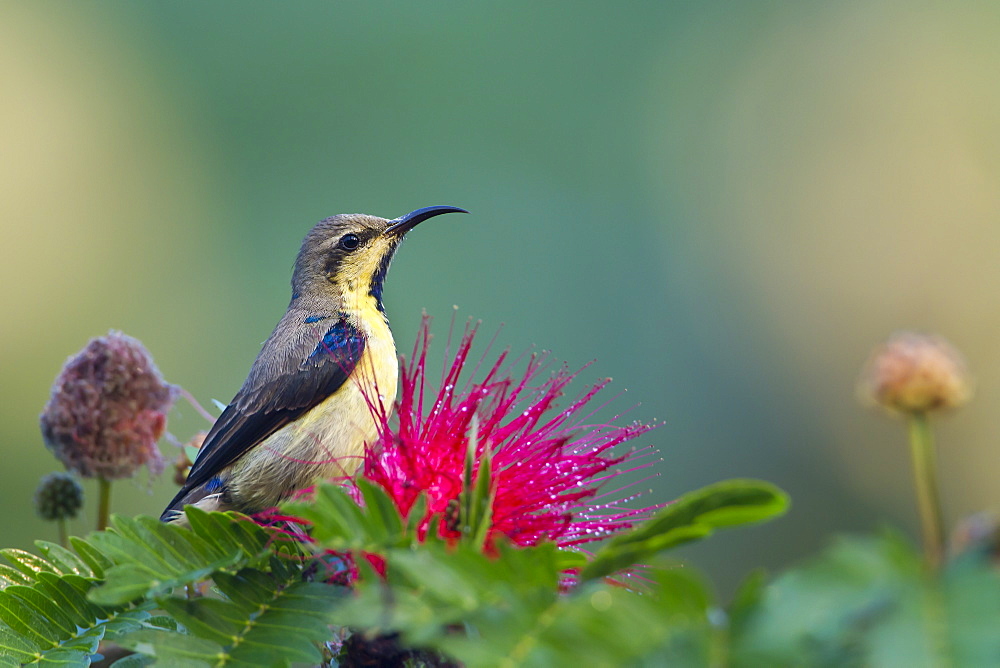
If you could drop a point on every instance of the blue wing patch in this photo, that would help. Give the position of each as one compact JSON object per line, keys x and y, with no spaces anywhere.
{"x":341,"y":340}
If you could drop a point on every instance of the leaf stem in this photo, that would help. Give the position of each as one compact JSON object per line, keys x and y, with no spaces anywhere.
{"x":925,"y":479}
{"x":103,"y":503}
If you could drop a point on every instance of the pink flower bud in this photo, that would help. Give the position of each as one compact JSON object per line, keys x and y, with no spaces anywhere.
{"x":915,"y":373}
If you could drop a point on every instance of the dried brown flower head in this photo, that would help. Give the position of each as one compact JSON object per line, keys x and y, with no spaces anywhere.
{"x":107,"y":410}
{"x":915,"y":373}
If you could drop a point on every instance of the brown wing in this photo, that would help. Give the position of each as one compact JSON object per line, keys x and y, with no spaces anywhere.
{"x":291,"y":375}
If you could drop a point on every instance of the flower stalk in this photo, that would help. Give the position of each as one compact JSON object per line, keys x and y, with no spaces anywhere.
{"x":925,"y":480}
{"x":63,"y":533}
{"x":912,"y":375}
{"x":103,"y":503}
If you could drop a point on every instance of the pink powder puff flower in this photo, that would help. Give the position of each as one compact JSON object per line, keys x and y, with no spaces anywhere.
{"x":547,"y":464}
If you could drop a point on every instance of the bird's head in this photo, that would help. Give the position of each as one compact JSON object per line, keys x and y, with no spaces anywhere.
{"x":348,"y":255}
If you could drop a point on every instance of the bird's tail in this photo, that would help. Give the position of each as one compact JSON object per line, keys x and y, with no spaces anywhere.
{"x":199,"y":496}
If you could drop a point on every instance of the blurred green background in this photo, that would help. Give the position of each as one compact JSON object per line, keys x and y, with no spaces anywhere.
{"x":725,"y":204}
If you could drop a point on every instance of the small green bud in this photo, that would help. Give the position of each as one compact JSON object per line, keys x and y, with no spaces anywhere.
{"x":59,"y":496}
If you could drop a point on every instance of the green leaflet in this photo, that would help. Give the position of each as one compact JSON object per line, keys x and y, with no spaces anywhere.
{"x":693,"y":516}
{"x":15,"y":649}
{"x":63,"y":560}
{"x":339,"y":523}
{"x":26,"y":563}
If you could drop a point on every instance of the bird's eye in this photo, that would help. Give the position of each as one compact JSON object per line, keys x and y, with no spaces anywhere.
{"x":350,"y":242}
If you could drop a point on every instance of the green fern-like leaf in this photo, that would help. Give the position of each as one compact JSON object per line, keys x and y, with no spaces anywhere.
{"x":260,"y":611}
{"x":150,"y":558}
{"x":57,"y":607}
{"x":52,"y":621}
{"x":261,"y":619}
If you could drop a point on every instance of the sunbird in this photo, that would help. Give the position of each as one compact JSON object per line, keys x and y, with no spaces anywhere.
{"x":309,"y":403}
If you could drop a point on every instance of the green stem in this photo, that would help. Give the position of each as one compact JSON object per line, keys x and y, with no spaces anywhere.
{"x":63,"y":536}
{"x":925,"y":478}
{"x":103,"y":503}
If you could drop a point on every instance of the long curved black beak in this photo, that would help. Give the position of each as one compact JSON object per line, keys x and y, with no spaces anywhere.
{"x":404,"y":224}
